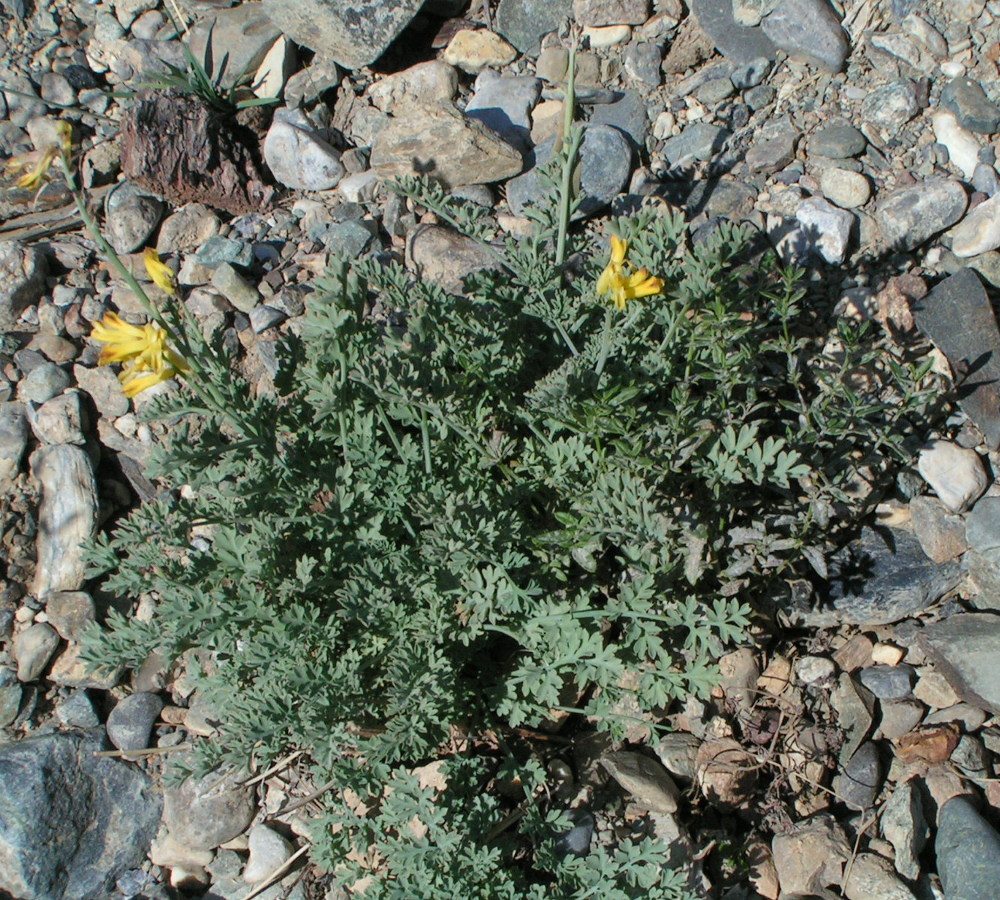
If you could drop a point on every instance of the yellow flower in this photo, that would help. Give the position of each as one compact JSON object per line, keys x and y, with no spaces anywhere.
{"x":148,"y":360}
{"x":159,"y":272}
{"x":38,"y":162}
{"x":621,"y":284}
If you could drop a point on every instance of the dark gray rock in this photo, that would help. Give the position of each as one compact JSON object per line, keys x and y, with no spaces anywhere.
{"x":504,"y":104}
{"x":881,"y":578}
{"x":860,"y":780}
{"x":352,"y":35}
{"x":809,"y":31}
{"x":965,"y":648}
{"x":203,"y":813}
{"x":986,"y":180}
{"x":772,"y":154}
{"x":131,"y":721}
{"x":70,"y":823}
{"x":973,"y":109}
{"x":605,"y":165}
{"x":524,"y":22}
{"x":734,"y":41}
{"x":910,"y":215}
{"x":576,"y":841}
{"x":11,"y":694}
{"x":889,"y":682}
{"x":217,"y":250}
{"x":77,"y":711}
{"x":642,"y":62}
{"x":904,"y":826}
{"x":132,"y":216}
{"x":968,"y":852}
{"x":958,"y":317}
{"x":698,"y":141}
{"x":838,"y":140}
{"x":751,"y":74}
{"x":982,"y":528}
{"x":627,"y":114}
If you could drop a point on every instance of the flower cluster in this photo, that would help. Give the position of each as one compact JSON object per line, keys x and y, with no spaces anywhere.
{"x":144,"y":351}
{"x":622,"y":284}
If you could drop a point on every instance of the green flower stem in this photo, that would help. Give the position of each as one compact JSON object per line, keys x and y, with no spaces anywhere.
{"x":566,"y":191}
{"x":605,"y":343}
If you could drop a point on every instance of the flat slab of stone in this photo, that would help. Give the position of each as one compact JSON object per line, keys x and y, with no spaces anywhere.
{"x":732,"y":40}
{"x":958,"y":317}
{"x":966,"y":649}
{"x":351,"y":34}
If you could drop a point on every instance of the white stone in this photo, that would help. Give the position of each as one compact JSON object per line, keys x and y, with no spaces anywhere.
{"x":979,"y":231}
{"x":298,"y":157}
{"x":269,"y":851}
{"x":473,"y":51}
{"x":956,"y":474}
{"x":825,"y":228}
{"x":608,"y":35}
{"x":278,"y":66}
{"x":428,"y":82}
{"x":963,"y":148}
{"x":359,"y":187}
{"x":952,"y":68}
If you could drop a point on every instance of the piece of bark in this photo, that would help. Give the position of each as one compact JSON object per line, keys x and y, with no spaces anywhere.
{"x":176,"y":146}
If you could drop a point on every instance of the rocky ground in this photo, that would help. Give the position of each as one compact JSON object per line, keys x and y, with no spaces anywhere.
{"x":854,"y":751}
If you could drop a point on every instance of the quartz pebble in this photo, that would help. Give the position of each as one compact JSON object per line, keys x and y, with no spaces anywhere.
{"x":956,"y":474}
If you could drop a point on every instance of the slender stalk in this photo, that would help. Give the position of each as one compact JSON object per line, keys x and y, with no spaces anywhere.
{"x":569,"y":164}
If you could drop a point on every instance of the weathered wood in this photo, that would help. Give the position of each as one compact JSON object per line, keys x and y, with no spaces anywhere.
{"x":176,"y":146}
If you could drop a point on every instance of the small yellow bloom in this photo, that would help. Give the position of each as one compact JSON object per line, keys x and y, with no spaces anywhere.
{"x":37,"y":162}
{"x":159,"y":272}
{"x":148,"y":360}
{"x":620,"y":283}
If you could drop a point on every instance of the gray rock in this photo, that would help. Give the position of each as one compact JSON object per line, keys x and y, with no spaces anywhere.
{"x":860,"y":779}
{"x":445,"y":257}
{"x":824,"y":230}
{"x":605,"y":165}
{"x":56,"y":90}
{"x":839,"y":140}
{"x":810,"y":855}
{"x":438,"y":140}
{"x":13,"y":440}
{"x":968,"y":852}
{"x":734,"y":41}
{"x":715,"y":90}
{"x":33,"y":649}
{"x":576,"y":841}
{"x":899,"y":717}
{"x":103,"y":387}
{"x":958,"y":317}
{"x":910,"y":215}
{"x":298,"y":157}
{"x":941,"y":533}
{"x":351,"y":35}
{"x":238,"y":38}
{"x":11,"y":695}
{"x":203,"y":813}
{"x":880,"y":578}
{"x":268,"y":852}
{"x":71,"y":823}
{"x":986,"y":180}
{"x":889,"y":682}
{"x":504,"y":104}
{"x":982,"y":529}
{"x":348,"y":239}
{"x":645,"y":779}
{"x":642,"y":62}
{"x":22,"y":280}
{"x":235,"y":288}
{"x":678,"y":751}
{"x":598,"y":13}
{"x":132,"y":216}
{"x":973,"y":109}
{"x":890,"y":107}
{"x":698,"y":141}
{"x":627,"y":114}
{"x":965,"y":648}
{"x":131,"y":721}
{"x":43,"y":382}
{"x":524,"y":22}
{"x":809,"y":31}
{"x":264,"y":317}
{"x":309,"y":84}
{"x":67,"y":517}
{"x":904,"y":826}
{"x":979,"y":231}
{"x":870,"y":876}
{"x":217,"y":250}
{"x":77,"y":711}
{"x":972,"y":757}
{"x":60,"y":420}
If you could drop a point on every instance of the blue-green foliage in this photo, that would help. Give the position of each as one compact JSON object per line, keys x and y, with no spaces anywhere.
{"x":475,"y":509}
